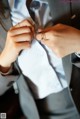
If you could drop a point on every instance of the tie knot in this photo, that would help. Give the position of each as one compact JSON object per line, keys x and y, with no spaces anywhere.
{"x":35,"y":5}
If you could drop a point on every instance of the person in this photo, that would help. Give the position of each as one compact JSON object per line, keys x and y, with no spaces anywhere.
{"x":59,"y":105}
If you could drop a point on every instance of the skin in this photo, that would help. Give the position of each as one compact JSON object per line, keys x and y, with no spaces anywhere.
{"x":19,"y":37}
{"x":62,"y":39}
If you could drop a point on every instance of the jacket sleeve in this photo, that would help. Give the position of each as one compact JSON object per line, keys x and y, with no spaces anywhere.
{"x":75,"y":60}
{"x":6,"y":81}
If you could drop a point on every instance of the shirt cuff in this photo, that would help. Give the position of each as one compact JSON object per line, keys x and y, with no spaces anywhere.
{"x":8,"y":72}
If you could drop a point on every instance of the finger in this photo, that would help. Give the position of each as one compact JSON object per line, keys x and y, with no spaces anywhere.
{"x":20,"y":30}
{"x":30,"y":23}
{"x":42,"y":36}
{"x":40,"y":30}
{"x":24,"y":23}
{"x":23,"y":45}
{"x":46,"y":42}
{"x":52,"y":28}
{"x":23,"y":37}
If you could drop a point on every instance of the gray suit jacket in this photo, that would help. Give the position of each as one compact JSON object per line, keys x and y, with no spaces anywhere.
{"x":61,"y":14}
{"x":30,"y":110}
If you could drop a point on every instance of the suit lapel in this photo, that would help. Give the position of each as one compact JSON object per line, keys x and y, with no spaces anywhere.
{"x":67,"y":65}
{"x":7,"y":24}
{"x":7,"y":21}
{"x":60,"y":11}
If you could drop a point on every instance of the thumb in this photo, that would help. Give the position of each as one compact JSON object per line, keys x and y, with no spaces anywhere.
{"x":39,"y":36}
{"x":42,"y":36}
{"x":38,"y":33}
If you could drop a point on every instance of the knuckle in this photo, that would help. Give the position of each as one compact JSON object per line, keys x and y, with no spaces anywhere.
{"x":26,"y":22}
{"x":59,"y":24}
{"x":10,"y":33}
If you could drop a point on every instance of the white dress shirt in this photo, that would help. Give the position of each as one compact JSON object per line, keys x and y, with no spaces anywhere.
{"x":38,"y":63}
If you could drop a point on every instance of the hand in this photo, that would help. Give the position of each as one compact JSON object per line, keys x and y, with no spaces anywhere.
{"x":19,"y":37}
{"x":62,"y":39}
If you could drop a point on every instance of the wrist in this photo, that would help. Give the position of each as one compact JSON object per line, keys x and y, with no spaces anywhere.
{"x":4,"y":63}
{"x":4,"y":69}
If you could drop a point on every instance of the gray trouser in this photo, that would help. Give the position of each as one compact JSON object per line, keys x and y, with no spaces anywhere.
{"x":55,"y":106}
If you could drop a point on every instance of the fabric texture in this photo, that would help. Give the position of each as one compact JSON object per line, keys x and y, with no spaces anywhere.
{"x":39,"y":63}
{"x":55,"y":106}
